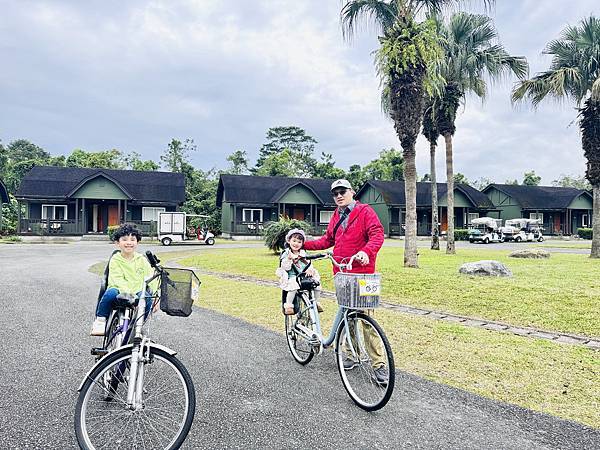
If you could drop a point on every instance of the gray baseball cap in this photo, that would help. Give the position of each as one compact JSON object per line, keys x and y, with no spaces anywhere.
{"x":341,"y":183}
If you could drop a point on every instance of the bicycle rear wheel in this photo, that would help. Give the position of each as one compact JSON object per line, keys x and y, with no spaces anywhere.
{"x":365,"y":361}
{"x":300,"y":348}
{"x":163,"y":422}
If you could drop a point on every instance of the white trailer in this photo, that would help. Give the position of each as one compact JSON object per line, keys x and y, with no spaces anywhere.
{"x":173,"y":227}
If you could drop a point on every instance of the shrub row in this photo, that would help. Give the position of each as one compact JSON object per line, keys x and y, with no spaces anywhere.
{"x":584,"y":233}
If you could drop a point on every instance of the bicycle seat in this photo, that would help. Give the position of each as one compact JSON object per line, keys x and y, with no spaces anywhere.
{"x":125,"y":301}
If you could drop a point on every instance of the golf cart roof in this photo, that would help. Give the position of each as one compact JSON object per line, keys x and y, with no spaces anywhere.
{"x":487,"y":221}
{"x":198,"y":215}
{"x":523,"y":221}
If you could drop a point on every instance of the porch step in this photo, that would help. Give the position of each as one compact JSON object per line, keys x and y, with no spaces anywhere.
{"x":95,"y":237}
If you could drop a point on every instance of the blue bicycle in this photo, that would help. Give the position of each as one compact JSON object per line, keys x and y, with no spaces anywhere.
{"x":363,"y":353}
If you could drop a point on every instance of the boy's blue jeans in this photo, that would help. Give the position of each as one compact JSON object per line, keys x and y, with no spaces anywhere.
{"x":105,"y":305}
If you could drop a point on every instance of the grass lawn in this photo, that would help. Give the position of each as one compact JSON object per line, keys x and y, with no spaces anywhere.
{"x":556,"y":379}
{"x":559,"y":294}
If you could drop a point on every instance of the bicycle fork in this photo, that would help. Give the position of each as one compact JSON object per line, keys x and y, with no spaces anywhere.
{"x":135,"y":389}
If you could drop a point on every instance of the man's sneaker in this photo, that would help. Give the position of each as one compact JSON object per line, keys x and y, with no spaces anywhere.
{"x":381,"y":375}
{"x":98,"y":326}
{"x":349,"y":364}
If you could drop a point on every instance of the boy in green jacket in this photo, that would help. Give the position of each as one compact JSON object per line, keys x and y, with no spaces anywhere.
{"x":126,"y":273}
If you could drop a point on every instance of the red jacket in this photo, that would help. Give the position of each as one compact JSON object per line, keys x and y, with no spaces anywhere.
{"x":363,"y":232}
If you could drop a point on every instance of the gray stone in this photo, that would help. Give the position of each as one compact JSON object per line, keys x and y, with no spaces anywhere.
{"x":533,"y":253}
{"x":485,"y":268}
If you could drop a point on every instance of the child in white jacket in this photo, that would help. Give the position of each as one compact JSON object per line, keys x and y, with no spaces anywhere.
{"x":293,"y":257}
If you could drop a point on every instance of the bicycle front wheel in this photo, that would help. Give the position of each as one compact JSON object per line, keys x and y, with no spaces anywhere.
{"x":300,"y":347}
{"x":103,"y":418}
{"x":365,"y":361}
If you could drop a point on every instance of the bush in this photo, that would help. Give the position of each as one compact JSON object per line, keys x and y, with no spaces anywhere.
{"x":461,"y":235}
{"x":275,"y":232}
{"x":111,"y":230}
{"x":584,"y":233}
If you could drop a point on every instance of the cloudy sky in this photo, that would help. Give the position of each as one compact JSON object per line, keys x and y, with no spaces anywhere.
{"x":131,"y":75}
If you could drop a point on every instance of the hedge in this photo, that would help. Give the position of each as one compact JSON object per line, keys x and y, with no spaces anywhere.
{"x":584,"y":233}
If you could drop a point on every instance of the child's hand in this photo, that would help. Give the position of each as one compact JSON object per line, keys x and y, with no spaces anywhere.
{"x":311,"y":272}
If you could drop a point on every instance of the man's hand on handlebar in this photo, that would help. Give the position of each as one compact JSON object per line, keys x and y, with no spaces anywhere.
{"x":362,"y":258}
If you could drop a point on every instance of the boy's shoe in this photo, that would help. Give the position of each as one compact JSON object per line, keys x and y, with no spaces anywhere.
{"x":381,"y":375}
{"x":288,"y":309}
{"x":98,"y":326}
{"x":319,"y":307}
{"x":349,"y":364}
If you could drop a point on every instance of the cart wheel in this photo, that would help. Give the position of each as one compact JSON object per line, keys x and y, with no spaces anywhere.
{"x":541,"y":239}
{"x":210,"y":241}
{"x":518,"y":239}
{"x":166,"y":241}
{"x":486,"y":240}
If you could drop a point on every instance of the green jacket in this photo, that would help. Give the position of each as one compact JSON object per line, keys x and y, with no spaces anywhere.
{"x":128,"y":275}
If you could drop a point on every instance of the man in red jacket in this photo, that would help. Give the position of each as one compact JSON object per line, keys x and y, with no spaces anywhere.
{"x":354,"y":229}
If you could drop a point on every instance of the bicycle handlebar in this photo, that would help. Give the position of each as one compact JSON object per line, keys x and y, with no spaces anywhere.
{"x":152,"y":259}
{"x":342,"y":266}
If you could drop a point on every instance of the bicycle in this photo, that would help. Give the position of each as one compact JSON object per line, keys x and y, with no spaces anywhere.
{"x":360,"y":343}
{"x":138,"y":394}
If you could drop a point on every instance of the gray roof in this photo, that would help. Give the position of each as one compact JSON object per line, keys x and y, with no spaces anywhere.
{"x":250,"y":189}
{"x":3,"y":193}
{"x":62,"y":182}
{"x":393,"y":193}
{"x":539,"y":197}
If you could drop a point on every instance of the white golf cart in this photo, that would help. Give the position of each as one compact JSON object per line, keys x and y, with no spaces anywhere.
{"x":175,"y":227}
{"x":521,"y":229}
{"x":486,"y":230}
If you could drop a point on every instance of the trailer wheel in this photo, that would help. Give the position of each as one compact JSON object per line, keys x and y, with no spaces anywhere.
{"x":210,"y":241}
{"x":166,"y":241}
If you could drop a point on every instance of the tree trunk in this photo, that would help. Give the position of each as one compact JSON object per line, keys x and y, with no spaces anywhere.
{"x":450,"y":248}
{"x":595,"y":253}
{"x":435,"y":231}
{"x":410,"y":193}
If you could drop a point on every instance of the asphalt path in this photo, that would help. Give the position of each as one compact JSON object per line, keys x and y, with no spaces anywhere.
{"x":250,"y":393}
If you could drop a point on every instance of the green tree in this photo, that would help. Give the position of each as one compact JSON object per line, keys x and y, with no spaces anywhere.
{"x":108,"y":159}
{"x":459,"y":178}
{"x":281,"y":164}
{"x":177,"y":153}
{"x":471,"y":54}
{"x":326,"y":168}
{"x":481,"y":183}
{"x":201,"y":194}
{"x":19,"y":157}
{"x":531,"y":179}
{"x":299,"y":145}
{"x":356,"y":176}
{"x":238,"y":163}
{"x":389,"y":166}
{"x":578,"y":182}
{"x":134,"y":161}
{"x":574,"y":74}
{"x":513,"y":182}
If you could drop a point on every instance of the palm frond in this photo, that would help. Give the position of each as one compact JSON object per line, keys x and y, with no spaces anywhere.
{"x":376,"y":14}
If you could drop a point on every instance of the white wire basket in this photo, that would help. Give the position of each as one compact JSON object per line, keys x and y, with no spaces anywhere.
{"x":358,"y":290}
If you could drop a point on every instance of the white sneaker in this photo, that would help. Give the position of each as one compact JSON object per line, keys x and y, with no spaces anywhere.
{"x":98,"y":326}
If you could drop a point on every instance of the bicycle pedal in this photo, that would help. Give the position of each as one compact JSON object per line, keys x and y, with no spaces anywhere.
{"x":99,"y":351}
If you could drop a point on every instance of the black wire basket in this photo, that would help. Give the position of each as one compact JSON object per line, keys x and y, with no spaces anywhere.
{"x":179,"y":289}
{"x":357,"y":290}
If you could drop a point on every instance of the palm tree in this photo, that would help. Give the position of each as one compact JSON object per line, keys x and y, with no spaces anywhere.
{"x":574,"y":74}
{"x":431,"y":132}
{"x":407,"y":66}
{"x":471,"y":52}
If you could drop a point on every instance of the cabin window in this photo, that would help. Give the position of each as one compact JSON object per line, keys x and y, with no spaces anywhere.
{"x":584,"y":220}
{"x":150,"y":213}
{"x":537,"y":216}
{"x":325,"y":216}
{"x":54,"y":212}
{"x":252,"y":215}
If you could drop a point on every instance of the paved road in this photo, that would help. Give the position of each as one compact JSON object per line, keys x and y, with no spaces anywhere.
{"x":248,"y":395}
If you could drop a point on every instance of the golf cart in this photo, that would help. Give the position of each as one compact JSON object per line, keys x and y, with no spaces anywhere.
{"x":523,"y":230}
{"x":486,"y":230}
{"x":183,"y":227}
